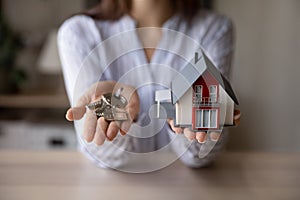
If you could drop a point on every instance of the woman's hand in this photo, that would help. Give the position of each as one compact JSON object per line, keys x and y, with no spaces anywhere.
{"x":98,"y":130}
{"x":202,"y":136}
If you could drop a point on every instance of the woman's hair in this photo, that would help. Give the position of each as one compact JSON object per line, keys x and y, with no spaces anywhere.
{"x":114,"y":9}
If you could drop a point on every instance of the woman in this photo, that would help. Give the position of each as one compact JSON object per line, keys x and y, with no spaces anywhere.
{"x":79,"y":35}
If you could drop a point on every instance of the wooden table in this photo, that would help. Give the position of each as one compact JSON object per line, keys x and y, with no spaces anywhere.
{"x":69,"y":175}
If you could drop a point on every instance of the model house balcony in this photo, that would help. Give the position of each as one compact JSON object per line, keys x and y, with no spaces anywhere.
{"x":205,"y":101}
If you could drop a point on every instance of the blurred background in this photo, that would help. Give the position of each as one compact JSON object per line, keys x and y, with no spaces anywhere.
{"x":265,"y":74}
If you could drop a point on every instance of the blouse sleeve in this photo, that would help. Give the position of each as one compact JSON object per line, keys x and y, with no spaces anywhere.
{"x":218,"y":45}
{"x":220,"y":48}
{"x":77,"y":37}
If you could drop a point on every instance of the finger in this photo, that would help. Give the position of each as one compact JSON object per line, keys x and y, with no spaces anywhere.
{"x":75,"y":113}
{"x":123,"y":132}
{"x":237,"y":117}
{"x":189,"y":134}
{"x":125,"y":126}
{"x":95,"y":92}
{"x":175,"y":129}
{"x":100,"y":131}
{"x":132,"y":112}
{"x":69,"y":115}
{"x":92,"y":94}
{"x":78,"y":111}
{"x":89,"y":127}
{"x":201,"y":137}
{"x":214,"y":136}
{"x":237,"y":122}
{"x":132,"y":97}
{"x":133,"y":108}
{"x":112,"y":130}
{"x":84,"y":100}
{"x":100,"y":88}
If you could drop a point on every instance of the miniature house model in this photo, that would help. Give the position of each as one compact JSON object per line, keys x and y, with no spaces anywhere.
{"x":200,"y":97}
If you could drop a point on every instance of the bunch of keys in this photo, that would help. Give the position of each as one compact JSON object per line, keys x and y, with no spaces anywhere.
{"x":110,"y":106}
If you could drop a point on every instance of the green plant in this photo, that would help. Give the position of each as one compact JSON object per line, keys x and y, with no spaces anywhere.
{"x":11,"y":77}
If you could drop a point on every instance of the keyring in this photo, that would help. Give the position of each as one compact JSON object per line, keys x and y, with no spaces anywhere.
{"x":110,"y":106}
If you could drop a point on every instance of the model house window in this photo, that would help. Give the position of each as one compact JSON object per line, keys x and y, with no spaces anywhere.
{"x":198,"y":93}
{"x":206,"y":118}
{"x":213,"y":93}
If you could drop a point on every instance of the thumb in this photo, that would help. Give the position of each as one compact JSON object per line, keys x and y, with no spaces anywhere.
{"x":75,"y":113}
{"x":175,"y":129}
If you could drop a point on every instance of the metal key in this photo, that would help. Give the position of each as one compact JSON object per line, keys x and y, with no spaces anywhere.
{"x":110,"y":106}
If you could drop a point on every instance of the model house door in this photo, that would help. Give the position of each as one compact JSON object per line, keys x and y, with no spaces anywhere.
{"x":206,"y":118}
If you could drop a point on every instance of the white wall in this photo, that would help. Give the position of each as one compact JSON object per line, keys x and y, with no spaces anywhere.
{"x":266,"y":73}
{"x":39,"y":15}
{"x":33,"y":20}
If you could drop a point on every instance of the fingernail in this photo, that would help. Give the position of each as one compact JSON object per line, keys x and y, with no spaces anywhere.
{"x":202,"y":139}
{"x":98,"y":141}
{"x":178,"y":130}
{"x":214,"y":136}
{"x":122,"y":132}
{"x":236,"y":117}
{"x":97,"y":145}
{"x":86,"y":140}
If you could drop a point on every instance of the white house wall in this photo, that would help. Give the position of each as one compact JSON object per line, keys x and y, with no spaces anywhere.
{"x":226,"y":108}
{"x":184,"y":109}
